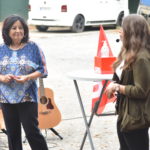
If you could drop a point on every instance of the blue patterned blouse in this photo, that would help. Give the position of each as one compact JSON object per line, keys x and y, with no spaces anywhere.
{"x":24,"y":61}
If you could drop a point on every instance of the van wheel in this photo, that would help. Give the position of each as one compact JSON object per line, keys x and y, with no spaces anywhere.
{"x":120,"y":18}
{"x":78,"y":24}
{"x":42,"y":28}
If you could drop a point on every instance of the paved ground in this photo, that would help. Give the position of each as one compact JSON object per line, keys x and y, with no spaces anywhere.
{"x":67,"y":52}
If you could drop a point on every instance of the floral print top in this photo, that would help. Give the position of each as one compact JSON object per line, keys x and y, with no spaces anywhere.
{"x":24,"y":61}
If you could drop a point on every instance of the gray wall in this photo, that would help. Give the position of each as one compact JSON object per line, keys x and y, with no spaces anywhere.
{"x":8,"y":7}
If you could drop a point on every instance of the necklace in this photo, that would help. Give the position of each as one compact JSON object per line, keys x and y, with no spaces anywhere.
{"x":16,"y":47}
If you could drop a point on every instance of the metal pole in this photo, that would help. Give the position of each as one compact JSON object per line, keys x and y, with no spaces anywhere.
{"x":94,"y":112}
{"x":84,"y":115}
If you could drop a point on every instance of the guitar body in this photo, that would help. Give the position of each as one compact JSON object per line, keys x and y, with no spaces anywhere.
{"x":48,"y":113}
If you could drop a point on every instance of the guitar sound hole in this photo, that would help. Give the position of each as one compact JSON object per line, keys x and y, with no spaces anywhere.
{"x":50,"y":105}
{"x":43,"y":100}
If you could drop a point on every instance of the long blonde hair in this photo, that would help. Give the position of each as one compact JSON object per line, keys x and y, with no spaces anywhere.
{"x":136,"y":37}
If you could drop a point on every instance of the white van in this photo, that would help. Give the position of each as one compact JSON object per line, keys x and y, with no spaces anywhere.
{"x":76,"y":14}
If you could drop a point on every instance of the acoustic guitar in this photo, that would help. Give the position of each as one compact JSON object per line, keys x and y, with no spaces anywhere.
{"x":48,"y":113}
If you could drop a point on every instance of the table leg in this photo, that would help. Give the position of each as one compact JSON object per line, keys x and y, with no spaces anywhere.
{"x":94,"y":112}
{"x":84,"y":115}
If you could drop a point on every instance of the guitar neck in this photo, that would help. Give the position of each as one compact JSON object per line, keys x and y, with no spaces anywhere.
{"x":41,"y":87}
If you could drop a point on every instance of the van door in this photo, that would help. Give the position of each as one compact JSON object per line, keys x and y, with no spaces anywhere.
{"x":111,"y":9}
{"x":103,"y":11}
{"x":93,"y":11}
{"x":44,"y":9}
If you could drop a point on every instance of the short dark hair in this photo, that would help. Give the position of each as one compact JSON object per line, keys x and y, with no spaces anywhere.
{"x":7,"y":24}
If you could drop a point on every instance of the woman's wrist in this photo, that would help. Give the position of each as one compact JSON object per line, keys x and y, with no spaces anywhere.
{"x":33,"y":75}
{"x":117,"y":87}
{"x":1,"y":78}
{"x":28,"y":77}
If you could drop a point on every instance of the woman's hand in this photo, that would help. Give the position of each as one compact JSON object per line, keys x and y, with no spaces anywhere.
{"x":110,"y":90}
{"x":6,"y":78}
{"x":24,"y":78}
{"x":21,"y":79}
